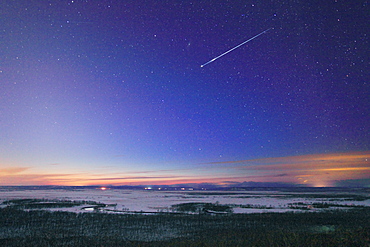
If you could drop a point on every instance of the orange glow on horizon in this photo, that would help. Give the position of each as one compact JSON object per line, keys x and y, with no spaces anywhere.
{"x":346,"y":169}
{"x":319,"y":170}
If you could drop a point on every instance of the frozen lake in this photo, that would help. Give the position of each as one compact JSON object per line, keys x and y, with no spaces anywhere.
{"x":246,"y":201}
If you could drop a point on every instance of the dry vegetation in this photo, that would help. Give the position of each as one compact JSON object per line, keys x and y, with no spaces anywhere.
{"x":45,"y":228}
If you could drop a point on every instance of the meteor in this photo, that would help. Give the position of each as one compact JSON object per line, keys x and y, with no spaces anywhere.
{"x":223,"y":54}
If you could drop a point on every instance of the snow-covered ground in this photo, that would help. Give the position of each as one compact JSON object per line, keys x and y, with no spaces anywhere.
{"x":157,"y":201}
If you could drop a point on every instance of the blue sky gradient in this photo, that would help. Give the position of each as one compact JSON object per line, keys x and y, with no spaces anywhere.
{"x":114,"y":89}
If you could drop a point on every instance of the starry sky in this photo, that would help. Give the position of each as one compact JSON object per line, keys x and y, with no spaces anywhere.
{"x":113,"y":92}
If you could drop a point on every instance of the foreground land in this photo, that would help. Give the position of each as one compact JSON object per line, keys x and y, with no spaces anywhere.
{"x":45,"y":228}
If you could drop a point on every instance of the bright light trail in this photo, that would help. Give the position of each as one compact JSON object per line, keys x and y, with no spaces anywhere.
{"x":223,"y":54}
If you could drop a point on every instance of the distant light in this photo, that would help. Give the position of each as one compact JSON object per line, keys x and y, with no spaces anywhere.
{"x":103,"y":188}
{"x":148,"y":188}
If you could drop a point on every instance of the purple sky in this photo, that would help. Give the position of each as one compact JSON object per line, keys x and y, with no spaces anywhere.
{"x":113,"y":92}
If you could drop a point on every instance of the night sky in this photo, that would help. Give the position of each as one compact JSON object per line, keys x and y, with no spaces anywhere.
{"x":113,"y":92}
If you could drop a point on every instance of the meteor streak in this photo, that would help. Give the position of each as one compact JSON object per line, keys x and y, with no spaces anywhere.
{"x":223,"y":54}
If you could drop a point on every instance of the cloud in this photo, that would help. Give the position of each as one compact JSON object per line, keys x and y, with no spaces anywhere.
{"x":313,"y":170}
{"x":282,"y":175}
{"x":338,"y":158}
{"x":336,"y":169}
{"x":141,"y":178}
{"x":12,"y":170}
